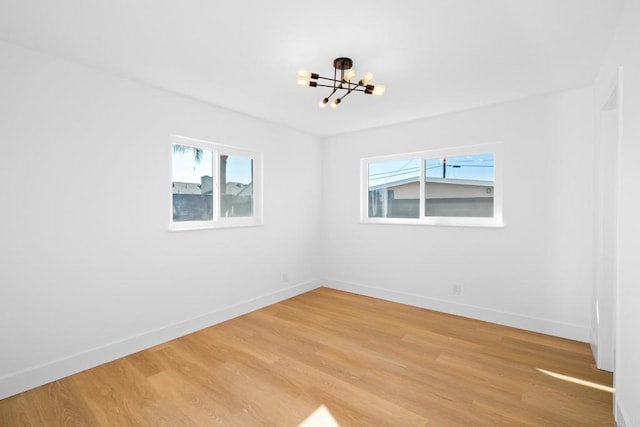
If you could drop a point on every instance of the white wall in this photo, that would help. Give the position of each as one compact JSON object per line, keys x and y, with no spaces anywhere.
{"x":88,"y":270}
{"x":534,"y":273}
{"x":625,"y":51}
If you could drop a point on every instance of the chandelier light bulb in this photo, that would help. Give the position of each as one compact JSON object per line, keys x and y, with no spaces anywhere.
{"x":366,"y":79}
{"x":307,"y":82}
{"x":335,"y":103}
{"x":349,"y":74}
{"x":324,"y":102}
{"x":304,"y":74}
{"x":378,"y":90}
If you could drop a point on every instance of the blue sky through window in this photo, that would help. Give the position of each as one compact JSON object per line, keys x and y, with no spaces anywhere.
{"x":477,"y":167}
{"x":187,"y":169}
{"x":393,"y":171}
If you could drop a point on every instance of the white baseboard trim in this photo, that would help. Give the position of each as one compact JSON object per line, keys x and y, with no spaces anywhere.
{"x":594,"y":346}
{"x":620,"y":416}
{"x":38,"y":375}
{"x":559,"y":329}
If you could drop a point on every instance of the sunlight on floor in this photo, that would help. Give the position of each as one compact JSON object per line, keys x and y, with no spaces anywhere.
{"x":577,"y":381}
{"x":321,"y":417}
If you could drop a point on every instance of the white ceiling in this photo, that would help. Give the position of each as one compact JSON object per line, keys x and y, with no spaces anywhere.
{"x":433,"y":56}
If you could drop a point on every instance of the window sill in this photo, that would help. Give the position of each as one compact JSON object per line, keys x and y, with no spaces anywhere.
{"x":439,"y":222}
{"x":220,"y":224}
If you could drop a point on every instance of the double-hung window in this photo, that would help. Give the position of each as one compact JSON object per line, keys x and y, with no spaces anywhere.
{"x":214,"y":185}
{"x":455,"y":186}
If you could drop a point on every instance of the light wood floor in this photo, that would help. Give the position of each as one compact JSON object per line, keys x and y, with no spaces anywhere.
{"x":370,"y":362}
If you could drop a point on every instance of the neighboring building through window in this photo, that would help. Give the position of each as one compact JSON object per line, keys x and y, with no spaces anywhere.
{"x":458,"y":186}
{"x":214,"y":185}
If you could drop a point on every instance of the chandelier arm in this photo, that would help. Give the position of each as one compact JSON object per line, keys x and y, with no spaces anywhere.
{"x":337,"y":88}
{"x":329,"y":78}
{"x":331,"y":94}
{"x":336,"y":81}
{"x":354,"y":88}
{"x":349,"y":92}
{"x":338,"y":84}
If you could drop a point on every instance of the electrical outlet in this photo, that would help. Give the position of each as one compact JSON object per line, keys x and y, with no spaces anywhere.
{"x":457,"y":289}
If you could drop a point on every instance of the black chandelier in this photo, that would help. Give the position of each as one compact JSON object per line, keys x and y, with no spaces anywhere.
{"x":341,"y":82}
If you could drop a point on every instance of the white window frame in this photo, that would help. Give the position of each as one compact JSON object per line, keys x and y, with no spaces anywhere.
{"x":219,"y":221}
{"x":495,"y":221}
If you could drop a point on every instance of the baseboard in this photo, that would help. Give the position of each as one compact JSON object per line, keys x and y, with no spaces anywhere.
{"x":515,"y":320}
{"x":38,"y":375}
{"x":594,"y":346}
{"x":621,"y":419}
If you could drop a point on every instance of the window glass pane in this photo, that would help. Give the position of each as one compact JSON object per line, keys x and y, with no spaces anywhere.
{"x":460,"y":186}
{"x":394,"y":189}
{"x":236,"y":186}
{"x":192,"y":176}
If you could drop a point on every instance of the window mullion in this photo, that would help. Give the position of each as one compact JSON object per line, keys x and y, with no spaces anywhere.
{"x":216,"y":186}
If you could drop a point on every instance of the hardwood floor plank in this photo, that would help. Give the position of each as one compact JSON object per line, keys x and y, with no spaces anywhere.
{"x":108,"y":402}
{"x":143,"y":363}
{"x":199,"y":405}
{"x":166,"y":414}
{"x":21,"y":410}
{"x":62,"y":400}
{"x":369,"y":361}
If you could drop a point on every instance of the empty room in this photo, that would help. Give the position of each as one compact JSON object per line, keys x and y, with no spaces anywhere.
{"x":297,"y":214}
